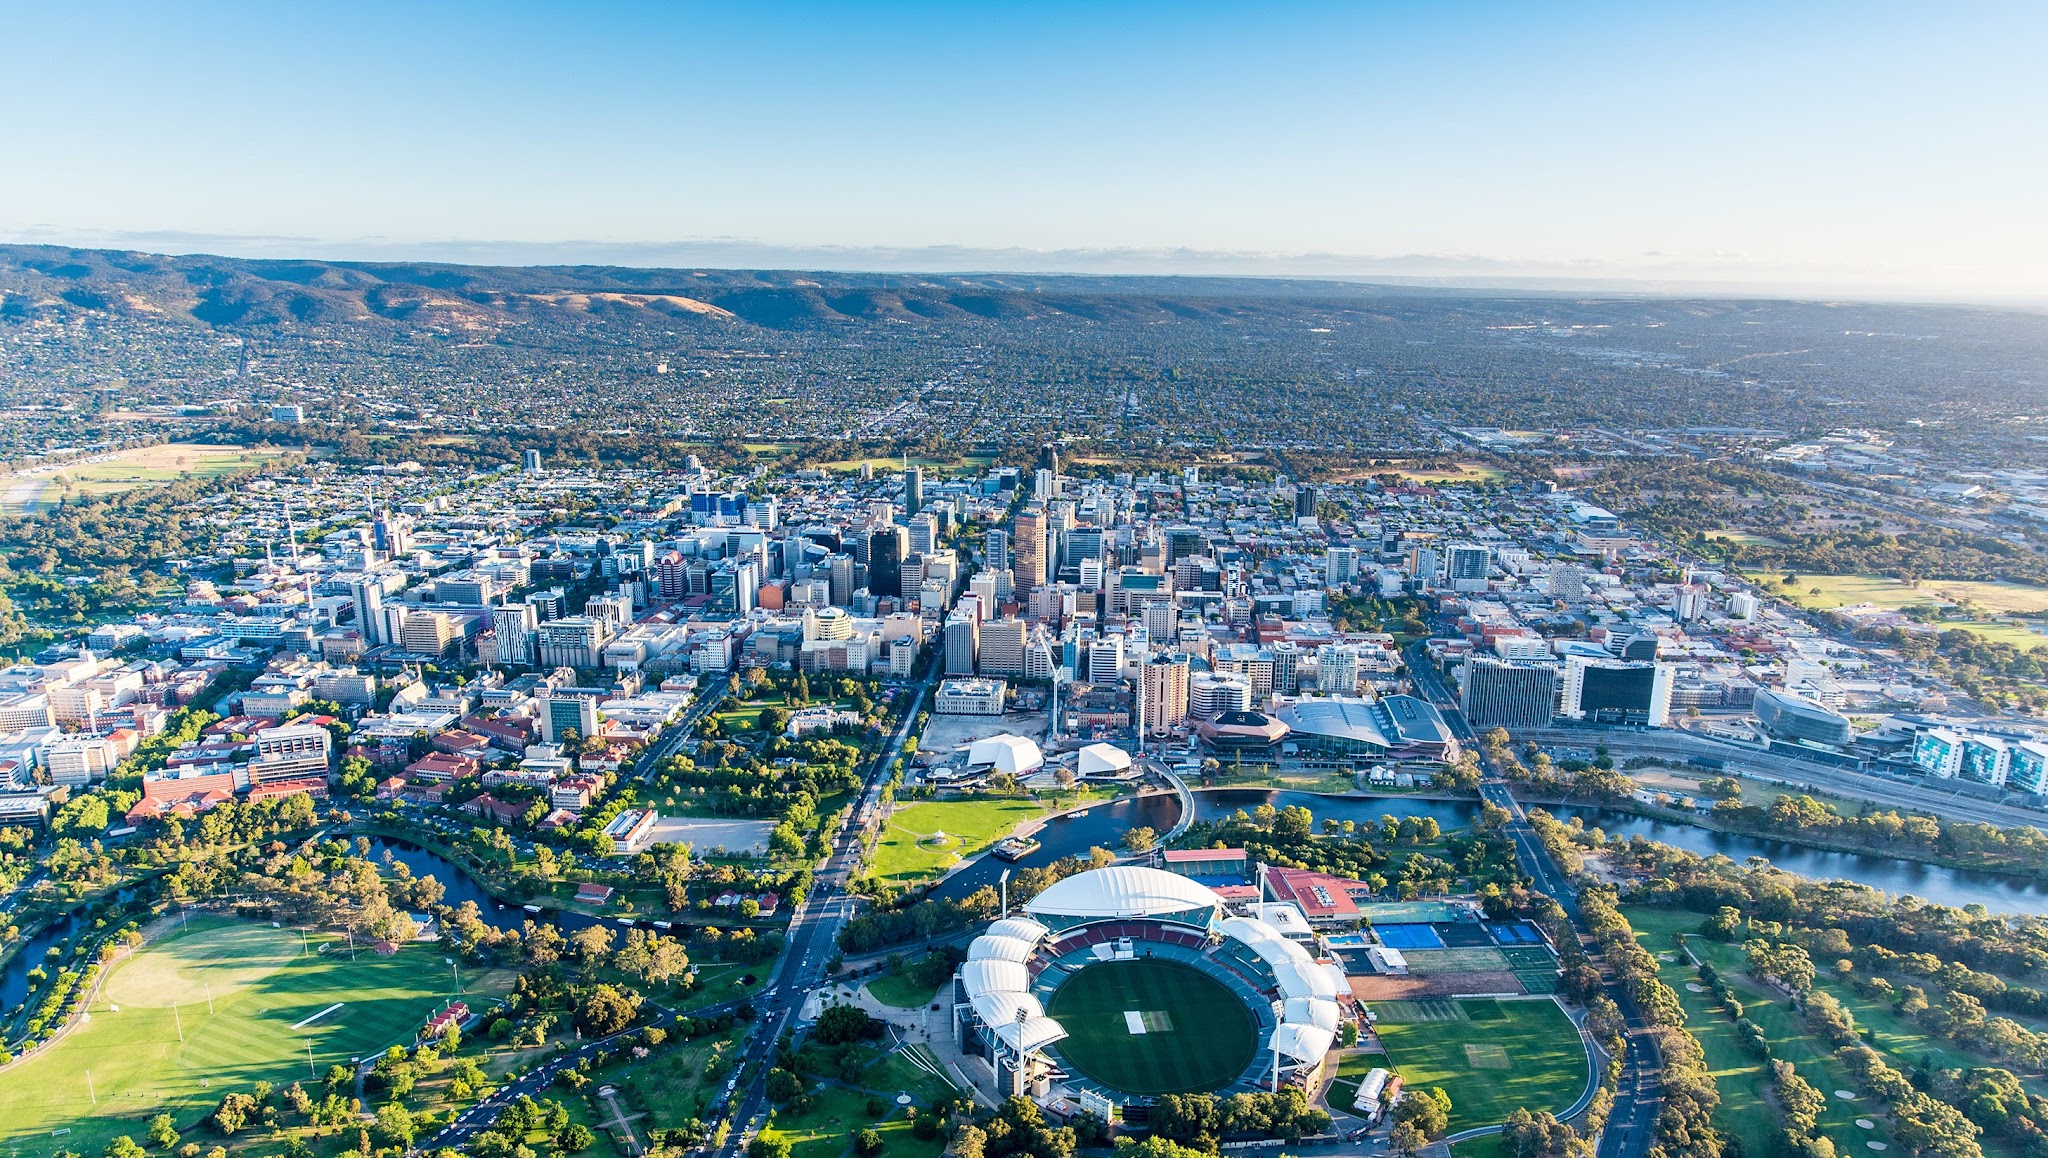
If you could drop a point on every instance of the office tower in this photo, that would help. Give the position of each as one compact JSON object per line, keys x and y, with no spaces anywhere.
{"x":1304,"y":501}
{"x":1616,"y":691}
{"x":963,"y":639}
{"x":530,"y":462}
{"x":839,"y":570}
{"x":1467,"y":565}
{"x":1340,"y":567}
{"x":1002,"y":648}
{"x":1049,"y":458}
{"x":575,"y":641}
{"x":368,"y":594}
{"x":1161,"y":619}
{"x":1742,"y":605}
{"x":391,"y":534}
{"x":1165,"y":679}
{"x":764,"y":513}
{"x":1210,"y":695}
{"x":1082,"y":545}
{"x":560,"y":717}
{"x":983,"y":587}
{"x":924,"y":533}
{"x":1182,"y":543}
{"x":1106,"y":659}
{"x":513,"y":625}
{"x":996,"y":550}
{"x":913,"y":490}
{"x":1027,"y":549}
{"x":887,"y":547}
{"x":430,"y":632}
{"x":1502,"y":693}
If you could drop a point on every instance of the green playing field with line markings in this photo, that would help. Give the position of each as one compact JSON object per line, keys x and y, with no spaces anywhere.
{"x":1153,"y":1027}
{"x":211,"y":1008}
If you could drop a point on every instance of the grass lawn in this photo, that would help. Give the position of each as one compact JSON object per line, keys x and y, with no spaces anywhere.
{"x":1466,"y":474}
{"x":929,"y":837}
{"x":825,"y":1129}
{"x":127,"y":470}
{"x":1486,"y":1146}
{"x":1196,"y":1034}
{"x":671,"y":1086}
{"x":1490,"y":1056}
{"x":263,"y":994}
{"x":1351,"y":1070}
{"x":1744,"y":1080}
{"x":1845,"y":590}
{"x":899,"y":990}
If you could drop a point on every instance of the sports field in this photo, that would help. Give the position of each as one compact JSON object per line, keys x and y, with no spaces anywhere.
{"x":1491,"y":1056}
{"x":1153,"y":1027}
{"x":214,"y":1008}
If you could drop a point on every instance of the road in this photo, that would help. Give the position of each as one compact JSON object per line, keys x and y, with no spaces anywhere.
{"x":812,"y":941}
{"x":1638,"y":1094}
{"x":673,"y":736}
{"x":814,"y":931}
{"x":1674,"y":744}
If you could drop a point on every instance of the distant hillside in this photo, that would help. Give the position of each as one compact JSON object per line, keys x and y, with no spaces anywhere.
{"x":237,"y":293}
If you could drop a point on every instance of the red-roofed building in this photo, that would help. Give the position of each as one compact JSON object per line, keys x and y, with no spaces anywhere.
{"x":487,"y":805}
{"x":315,"y":788}
{"x":591,"y":893}
{"x":437,"y":767}
{"x":1206,"y":862}
{"x":184,"y":798}
{"x":509,"y":734}
{"x":1322,"y":897}
{"x":245,"y":725}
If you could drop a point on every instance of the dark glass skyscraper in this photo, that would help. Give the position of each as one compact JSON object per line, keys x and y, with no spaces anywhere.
{"x":886,"y":548}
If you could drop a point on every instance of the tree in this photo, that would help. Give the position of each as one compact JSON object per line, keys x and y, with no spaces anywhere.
{"x":767,"y":1145}
{"x":608,"y":1009}
{"x":1428,"y":1110}
{"x":163,"y":1132}
{"x":840,"y":1024}
{"x":1140,"y":839}
{"x":574,"y":1138}
{"x":867,"y":1143}
{"x":124,"y":1147}
{"x":233,"y":1112}
{"x":395,"y":1125}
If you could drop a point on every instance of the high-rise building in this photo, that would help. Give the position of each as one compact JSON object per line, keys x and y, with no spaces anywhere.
{"x":1165,"y":691}
{"x":963,"y":638}
{"x":561,"y":715}
{"x":513,"y":626}
{"x":1106,"y":659}
{"x":1027,"y":549}
{"x":1502,"y":693}
{"x":1337,"y":669}
{"x":430,"y":632}
{"x":1616,"y":691}
{"x":1340,"y":567}
{"x":1210,"y":695}
{"x":368,"y":594}
{"x":887,"y":548}
{"x":1565,"y":582}
{"x":983,"y":588}
{"x":530,"y":462}
{"x":996,"y":549}
{"x":573,"y":641}
{"x":1689,"y":601}
{"x":913,"y":490}
{"x":1304,"y":501}
{"x":1002,"y":648}
{"x":924,"y":533}
{"x":839,"y":571}
{"x":1467,"y":566}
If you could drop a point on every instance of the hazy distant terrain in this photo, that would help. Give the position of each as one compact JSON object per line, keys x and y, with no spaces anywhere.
{"x":790,"y":354}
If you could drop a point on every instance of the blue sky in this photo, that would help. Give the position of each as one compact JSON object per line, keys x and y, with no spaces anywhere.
{"x":1888,"y":147}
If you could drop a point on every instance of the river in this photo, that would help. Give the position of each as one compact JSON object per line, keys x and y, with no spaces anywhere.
{"x":1105,"y":825}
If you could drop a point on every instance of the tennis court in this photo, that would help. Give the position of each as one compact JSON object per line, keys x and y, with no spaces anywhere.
{"x":1409,"y":912}
{"x":1408,"y":937}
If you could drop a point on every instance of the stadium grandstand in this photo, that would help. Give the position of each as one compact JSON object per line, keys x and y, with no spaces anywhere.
{"x":1129,"y":983}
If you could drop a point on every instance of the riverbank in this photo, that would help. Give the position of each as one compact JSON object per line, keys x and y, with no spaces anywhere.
{"x":1804,"y":838}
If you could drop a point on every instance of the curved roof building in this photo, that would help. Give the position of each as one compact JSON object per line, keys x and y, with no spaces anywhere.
{"x":1785,"y":716}
{"x":1125,"y":892}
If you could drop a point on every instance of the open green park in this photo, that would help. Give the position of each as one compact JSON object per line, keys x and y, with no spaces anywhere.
{"x":1153,"y":1027}
{"x":1491,"y":1056}
{"x":924,"y":839}
{"x":126,"y":470}
{"x":213,"y":1008}
{"x":1850,"y":590}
